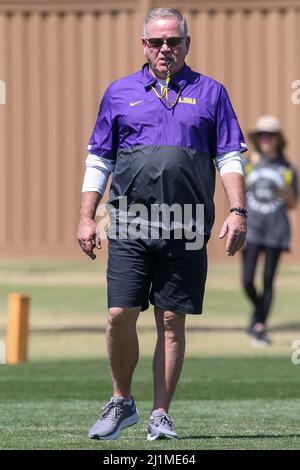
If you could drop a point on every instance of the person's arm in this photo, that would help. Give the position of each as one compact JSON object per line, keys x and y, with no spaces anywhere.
{"x":95,"y":181}
{"x":234,"y":226}
{"x":289,"y":197}
{"x":229,"y":143}
{"x":289,"y":191}
{"x":100,"y":163}
{"x":87,"y":228}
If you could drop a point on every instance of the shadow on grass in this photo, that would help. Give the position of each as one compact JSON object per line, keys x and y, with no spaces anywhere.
{"x":245,"y":436}
{"x":288,"y":327}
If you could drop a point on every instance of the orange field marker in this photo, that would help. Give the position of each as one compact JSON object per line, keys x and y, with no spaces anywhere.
{"x":17,"y":330}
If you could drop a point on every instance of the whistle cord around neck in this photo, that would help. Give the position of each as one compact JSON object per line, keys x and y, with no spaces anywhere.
{"x":165,"y":92}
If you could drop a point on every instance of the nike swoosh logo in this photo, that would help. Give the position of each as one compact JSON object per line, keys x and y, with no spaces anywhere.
{"x":134,"y":103}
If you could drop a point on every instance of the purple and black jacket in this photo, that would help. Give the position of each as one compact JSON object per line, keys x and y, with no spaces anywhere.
{"x":163,"y":154}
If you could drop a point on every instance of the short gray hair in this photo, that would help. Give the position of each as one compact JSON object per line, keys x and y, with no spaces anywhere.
{"x":163,"y":13}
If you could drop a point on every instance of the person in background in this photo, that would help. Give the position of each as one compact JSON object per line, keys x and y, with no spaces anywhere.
{"x":271,"y":191}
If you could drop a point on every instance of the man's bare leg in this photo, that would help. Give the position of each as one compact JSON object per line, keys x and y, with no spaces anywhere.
{"x":168,"y":357}
{"x":122,"y":348}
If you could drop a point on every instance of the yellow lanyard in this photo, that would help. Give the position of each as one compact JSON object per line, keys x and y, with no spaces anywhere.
{"x":165,"y":92}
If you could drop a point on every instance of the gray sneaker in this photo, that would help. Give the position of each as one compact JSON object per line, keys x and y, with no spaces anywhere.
{"x":160,"y":426}
{"x":116,"y":415}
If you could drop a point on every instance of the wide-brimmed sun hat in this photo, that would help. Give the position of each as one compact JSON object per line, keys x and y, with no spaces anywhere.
{"x":268,"y":124}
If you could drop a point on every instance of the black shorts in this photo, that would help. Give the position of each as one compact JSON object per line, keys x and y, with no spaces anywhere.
{"x":161,"y":271}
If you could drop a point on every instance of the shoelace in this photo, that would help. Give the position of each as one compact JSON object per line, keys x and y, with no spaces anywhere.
{"x":164,"y":419}
{"x":111,"y":410}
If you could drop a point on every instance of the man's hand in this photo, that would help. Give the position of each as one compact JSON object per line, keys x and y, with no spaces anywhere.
{"x":235,"y":227}
{"x":87,"y":237}
{"x":87,"y":228}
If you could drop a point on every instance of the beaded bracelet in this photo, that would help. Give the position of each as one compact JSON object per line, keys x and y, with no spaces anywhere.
{"x":240,"y":210}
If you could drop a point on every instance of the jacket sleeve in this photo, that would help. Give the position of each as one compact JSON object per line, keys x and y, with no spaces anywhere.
{"x":104,"y":138}
{"x":228,"y":134}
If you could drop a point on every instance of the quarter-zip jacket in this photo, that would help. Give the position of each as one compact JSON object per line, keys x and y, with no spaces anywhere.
{"x":165,"y":154}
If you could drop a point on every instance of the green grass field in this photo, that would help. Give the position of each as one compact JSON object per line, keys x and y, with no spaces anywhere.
{"x":230,"y":395}
{"x":220,"y":404}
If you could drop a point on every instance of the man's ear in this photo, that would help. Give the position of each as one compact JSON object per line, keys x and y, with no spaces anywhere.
{"x":144,"y":46}
{"x":188,"y":43}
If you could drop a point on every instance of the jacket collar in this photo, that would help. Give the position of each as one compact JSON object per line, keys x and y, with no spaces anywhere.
{"x":180,"y":78}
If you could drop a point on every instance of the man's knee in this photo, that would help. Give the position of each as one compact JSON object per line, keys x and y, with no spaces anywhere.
{"x":120,"y":316}
{"x":174,"y":323}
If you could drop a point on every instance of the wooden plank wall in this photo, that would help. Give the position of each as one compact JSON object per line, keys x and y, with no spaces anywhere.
{"x":57,"y":58}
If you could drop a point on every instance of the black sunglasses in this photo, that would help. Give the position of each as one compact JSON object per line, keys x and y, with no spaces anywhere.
{"x":158,"y":42}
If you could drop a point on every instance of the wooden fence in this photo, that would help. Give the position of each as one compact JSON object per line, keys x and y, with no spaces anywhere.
{"x":57,"y":58}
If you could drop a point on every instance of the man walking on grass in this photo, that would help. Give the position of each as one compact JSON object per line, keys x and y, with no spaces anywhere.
{"x":160,"y":131}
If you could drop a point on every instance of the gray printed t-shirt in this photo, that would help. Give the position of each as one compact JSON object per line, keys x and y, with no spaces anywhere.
{"x":268,"y":223}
